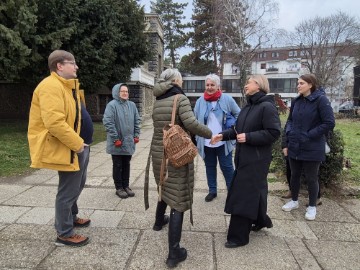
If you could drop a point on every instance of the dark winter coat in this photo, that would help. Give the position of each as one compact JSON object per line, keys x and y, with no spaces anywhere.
{"x":310,"y":119}
{"x":259,"y":120}
{"x":177,"y":190}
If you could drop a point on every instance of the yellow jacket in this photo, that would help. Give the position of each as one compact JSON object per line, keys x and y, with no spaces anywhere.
{"x":52,"y":133}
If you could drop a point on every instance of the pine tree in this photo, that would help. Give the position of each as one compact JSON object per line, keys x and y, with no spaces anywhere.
{"x":171,"y":14}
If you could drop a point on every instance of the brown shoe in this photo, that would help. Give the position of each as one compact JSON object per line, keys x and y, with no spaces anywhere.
{"x":129,"y":192}
{"x":287,"y":195}
{"x":82,"y":222}
{"x":75,"y":240}
{"x":122,"y":193}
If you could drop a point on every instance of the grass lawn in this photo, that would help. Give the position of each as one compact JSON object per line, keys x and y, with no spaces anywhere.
{"x":14,"y":148}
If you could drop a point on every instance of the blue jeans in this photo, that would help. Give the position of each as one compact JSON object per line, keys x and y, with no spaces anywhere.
{"x":70,"y":186}
{"x":226,"y":166}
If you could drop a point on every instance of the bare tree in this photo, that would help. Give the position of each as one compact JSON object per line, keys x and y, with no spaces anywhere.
{"x":243,"y":27}
{"x":327,"y":47}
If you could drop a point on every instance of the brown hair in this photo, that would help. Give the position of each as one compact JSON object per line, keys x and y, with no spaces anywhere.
{"x":58,"y":56}
{"x":310,"y":78}
{"x":262,"y":81}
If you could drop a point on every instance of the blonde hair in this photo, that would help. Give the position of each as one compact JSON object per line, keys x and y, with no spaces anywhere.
{"x":58,"y":56}
{"x":262,"y":81}
{"x":170,"y":75}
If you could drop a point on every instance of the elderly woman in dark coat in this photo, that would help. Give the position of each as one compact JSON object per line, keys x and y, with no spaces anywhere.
{"x":257,"y":128}
{"x":177,"y":190}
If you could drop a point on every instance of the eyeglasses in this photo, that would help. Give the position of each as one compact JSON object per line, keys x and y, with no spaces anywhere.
{"x":70,"y":62}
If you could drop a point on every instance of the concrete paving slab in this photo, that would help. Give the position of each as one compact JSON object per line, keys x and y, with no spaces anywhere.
{"x":263,"y":252}
{"x":216,"y":206}
{"x":152,"y":251}
{"x":274,"y":208}
{"x":335,"y":254}
{"x":335,"y":231}
{"x":352,"y":206}
{"x":302,"y":254}
{"x":9,"y":191}
{"x":35,"y":179}
{"x":36,"y":196}
{"x":136,"y":204}
{"x":284,"y":229}
{"x":9,"y":214}
{"x":37,"y":215}
{"x":44,"y":172}
{"x":98,"y":198}
{"x":23,"y":254}
{"x":102,"y":170}
{"x":209,"y":223}
{"x":3,"y":225}
{"x":138,"y":220}
{"x":29,"y":232}
{"x":98,"y":254}
{"x":95,"y":181}
{"x":101,"y":218}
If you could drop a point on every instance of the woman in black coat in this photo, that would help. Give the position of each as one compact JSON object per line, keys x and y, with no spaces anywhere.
{"x":257,"y":128}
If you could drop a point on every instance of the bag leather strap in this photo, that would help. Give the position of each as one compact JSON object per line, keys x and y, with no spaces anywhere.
{"x":164,"y":160}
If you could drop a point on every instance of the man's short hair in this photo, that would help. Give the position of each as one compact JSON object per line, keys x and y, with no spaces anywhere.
{"x":59,"y":56}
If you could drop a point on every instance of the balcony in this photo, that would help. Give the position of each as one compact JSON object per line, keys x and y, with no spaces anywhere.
{"x":292,"y":69}
{"x":272,"y":70}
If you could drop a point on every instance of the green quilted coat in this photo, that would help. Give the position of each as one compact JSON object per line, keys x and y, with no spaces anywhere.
{"x":177,"y":190}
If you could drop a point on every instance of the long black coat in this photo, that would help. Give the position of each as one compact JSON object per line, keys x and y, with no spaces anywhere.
{"x":259,"y":120}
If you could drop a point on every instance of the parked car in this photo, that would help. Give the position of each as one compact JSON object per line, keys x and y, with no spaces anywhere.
{"x":348,"y":108}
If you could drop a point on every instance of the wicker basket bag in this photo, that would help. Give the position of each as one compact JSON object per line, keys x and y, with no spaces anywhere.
{"x":178,"y":147}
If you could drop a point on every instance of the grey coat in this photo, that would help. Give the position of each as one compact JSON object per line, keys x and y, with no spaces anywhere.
{"x":177,"y":190}
{"x":122,"y":121}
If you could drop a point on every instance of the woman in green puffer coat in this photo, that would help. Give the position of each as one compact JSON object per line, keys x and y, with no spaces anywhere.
{"x":177,"y":190}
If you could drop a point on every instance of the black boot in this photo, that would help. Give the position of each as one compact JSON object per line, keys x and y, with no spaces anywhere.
{"x":176,"y":253}
{"x":160,"y":218}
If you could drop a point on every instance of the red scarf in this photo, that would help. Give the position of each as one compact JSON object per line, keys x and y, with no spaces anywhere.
{"x":213,"y":97}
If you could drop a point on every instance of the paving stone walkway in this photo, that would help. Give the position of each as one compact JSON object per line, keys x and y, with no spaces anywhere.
{"x":122,"y":236}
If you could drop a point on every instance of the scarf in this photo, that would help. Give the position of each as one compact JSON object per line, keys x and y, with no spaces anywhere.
{"x":213,"y":97}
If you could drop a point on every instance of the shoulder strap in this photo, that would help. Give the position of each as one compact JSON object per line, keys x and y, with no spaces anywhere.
{"x":174,"y":109}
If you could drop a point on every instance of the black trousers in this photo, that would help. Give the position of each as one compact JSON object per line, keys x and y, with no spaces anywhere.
{"x":310,"y":169}
{"x":121,"y":171}
{"x":288,"y":176}
{"x":239,"y":230}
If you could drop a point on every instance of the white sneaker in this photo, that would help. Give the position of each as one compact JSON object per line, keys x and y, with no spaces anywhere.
{"x":290,"y":206}
{"x":310,"y":213}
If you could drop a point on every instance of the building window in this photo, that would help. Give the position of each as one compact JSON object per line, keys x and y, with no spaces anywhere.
{"x":292,"y":53}
{"x":263,"y":66}
{"x":274,"y":54}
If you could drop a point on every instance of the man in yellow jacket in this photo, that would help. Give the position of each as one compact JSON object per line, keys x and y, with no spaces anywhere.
{"x":55,"y":142}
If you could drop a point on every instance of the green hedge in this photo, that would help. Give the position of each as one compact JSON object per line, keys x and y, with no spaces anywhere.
{"x":330,"y":170}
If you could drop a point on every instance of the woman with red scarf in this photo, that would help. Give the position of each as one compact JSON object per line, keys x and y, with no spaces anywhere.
{"x":211,"y":110}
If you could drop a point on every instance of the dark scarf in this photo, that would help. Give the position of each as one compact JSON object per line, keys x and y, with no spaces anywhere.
{"x":213,"y":97}
{"x":171,"y":92}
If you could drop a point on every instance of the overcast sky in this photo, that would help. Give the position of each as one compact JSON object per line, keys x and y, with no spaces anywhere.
{"x":292,"y":12}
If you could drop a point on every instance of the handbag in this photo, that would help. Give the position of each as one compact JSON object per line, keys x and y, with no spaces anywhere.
{"x":178,"y":146}
{"x":327,"y":148}
{"x":229,"y":120}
